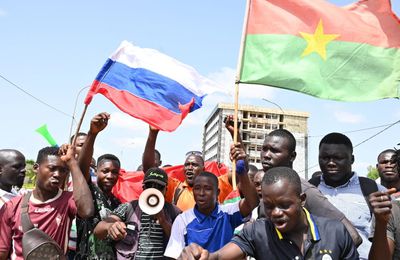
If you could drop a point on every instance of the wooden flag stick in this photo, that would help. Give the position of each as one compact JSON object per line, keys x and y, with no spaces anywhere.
{"x":237,"y":80}
{"x":235,"y":133}
{"x":79,"y":124}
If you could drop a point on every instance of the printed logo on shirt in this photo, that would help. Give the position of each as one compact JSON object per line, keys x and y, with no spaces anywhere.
{"x":58,"y":219}
{"x":326,"y":257}
{"x":326,"y":254}
{"x":43,"y":210}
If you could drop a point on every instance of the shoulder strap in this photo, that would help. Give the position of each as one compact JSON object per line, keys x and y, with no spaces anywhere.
{"x":25,"y":220}
{"x":315,"y":181}
{"x":368,"y":186}
{"x":177,"y":193}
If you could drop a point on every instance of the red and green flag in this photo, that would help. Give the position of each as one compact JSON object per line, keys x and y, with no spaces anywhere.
{"x":347,"y":53}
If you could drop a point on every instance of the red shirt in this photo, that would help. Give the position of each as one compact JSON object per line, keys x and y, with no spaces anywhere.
{"x":53,"y":217}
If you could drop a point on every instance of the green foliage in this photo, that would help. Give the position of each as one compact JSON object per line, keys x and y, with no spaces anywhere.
{"x":30,"y":176}
{"x":372,"y":172}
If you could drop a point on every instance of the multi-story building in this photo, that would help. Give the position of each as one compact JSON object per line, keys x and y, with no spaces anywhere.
{"x":256,"y":122}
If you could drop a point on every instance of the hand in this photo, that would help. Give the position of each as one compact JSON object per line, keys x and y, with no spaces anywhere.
{"x":194,"y":251}
{"x":117,"y":230}
{"x":229,"y":124}
{"x":99,"y":122}
{"x":237,"y":152}
{"x":381,"y":204}
{"x":67,"y":153}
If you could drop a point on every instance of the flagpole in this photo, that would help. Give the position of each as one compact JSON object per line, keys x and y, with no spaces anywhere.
{"x":237,"y":80}
{"x":79,"y":124}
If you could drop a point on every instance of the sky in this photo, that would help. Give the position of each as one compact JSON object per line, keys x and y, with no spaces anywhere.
{"x":54,"y":49}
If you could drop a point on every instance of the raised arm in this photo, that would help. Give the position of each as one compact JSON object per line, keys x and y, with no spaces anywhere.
{"x":382,"y":247}
{"x":250,"y":197}
{"x":229,"y":126}
{"x":148,"y":159}
{"x":81,"y":192}
{"x":98,"y":123}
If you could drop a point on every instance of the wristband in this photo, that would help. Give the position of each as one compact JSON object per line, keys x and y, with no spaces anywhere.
{"x":241,"y":167}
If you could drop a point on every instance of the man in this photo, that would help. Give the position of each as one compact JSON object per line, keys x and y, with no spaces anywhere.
{"x":279,"y":149}
{"x":385,"y":228}
{"x":141,"y":236}
{"x":181,"y":193}
{"x":343,"y":188}
{"x":12,"y":173}
{"x":50,"y":208}
{"x":388,"y":172}
{"x":252,"y":172}
{"x":108,"y":166}
{"x":288,"y":232}
{"x":209,"y":224}
{"x":80,"y":140}
{"x":258,"y":177}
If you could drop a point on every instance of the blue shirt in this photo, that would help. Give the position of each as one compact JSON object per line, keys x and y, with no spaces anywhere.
{"x":349,"y":199}
{"x":211,"y":232}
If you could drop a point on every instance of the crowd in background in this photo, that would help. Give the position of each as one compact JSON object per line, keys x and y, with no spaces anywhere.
{"x":273,"y":214}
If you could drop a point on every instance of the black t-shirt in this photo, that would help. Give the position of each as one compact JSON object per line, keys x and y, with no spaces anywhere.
{"x":327,"y":239}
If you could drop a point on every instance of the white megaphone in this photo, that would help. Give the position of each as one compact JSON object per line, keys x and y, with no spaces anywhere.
{"x":151,"y":201}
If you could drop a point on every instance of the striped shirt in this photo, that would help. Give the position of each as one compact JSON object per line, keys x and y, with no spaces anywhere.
{"x":150,"y":239}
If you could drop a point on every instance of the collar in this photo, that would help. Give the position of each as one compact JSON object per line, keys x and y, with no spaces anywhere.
{"x":352,"y":181}
{"x":201,"y":217}
{"x":3,"y":192}
{"x":38,"y":202}
{"x":312,"y":228}
{"x":185,"y":185}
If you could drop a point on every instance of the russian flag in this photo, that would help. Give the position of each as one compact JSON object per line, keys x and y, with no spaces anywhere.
{"x":151,"y":86}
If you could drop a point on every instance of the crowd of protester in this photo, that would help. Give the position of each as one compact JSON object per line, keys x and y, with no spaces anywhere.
{"x":276,"y":214}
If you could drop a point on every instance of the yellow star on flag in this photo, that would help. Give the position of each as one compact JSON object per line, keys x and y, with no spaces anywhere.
{"x":317,"y":42}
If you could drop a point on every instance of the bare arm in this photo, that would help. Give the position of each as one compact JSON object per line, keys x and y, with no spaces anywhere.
{"x":319,"y":205}
{"x":98,"y":123}
{"x":81,"y":192}
{"x":250,"y":197}
{"x":112,"y":226}
{"x":352,"y":231}
{"x":229,"y":252}
{"x":148,"y":159}
{"x":382,"y":247}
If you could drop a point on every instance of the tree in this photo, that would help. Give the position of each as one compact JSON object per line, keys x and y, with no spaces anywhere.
{"x":30,"y":176}
{"x":372,"y":172}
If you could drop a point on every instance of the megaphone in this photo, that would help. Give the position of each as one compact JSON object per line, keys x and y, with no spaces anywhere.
{"x":151,"y":201}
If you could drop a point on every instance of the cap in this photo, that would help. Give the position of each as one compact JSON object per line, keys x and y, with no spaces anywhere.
{"x":156,"y":175}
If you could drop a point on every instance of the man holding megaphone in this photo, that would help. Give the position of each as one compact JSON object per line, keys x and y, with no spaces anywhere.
{"x":142,"y":227}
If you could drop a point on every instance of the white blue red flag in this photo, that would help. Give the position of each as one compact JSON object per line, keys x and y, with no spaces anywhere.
{"x":151,"y":86}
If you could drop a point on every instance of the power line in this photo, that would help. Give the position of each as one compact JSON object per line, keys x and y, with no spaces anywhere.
{"x":364,"y":141}
{"x":354,"y":131}
{"x":32,"y":96}
{"x":369,"y":138}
